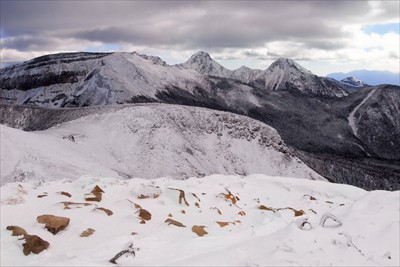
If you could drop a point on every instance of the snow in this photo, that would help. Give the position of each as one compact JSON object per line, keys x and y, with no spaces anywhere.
{"x":351,"y":117}
{"x":148,"y":141}
{"x":369,"y":234}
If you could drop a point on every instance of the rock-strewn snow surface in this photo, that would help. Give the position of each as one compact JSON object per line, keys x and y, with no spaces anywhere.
{"x":239,"y":233}
{"x":149,"y":141}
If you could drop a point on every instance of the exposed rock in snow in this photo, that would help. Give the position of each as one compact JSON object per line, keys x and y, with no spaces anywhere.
{"x":369,"y":234}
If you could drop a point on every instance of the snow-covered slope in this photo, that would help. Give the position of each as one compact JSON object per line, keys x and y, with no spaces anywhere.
{"x":88,"y":80}
{"x":149,"y":141}
{"x":250,"y":221}
{"x":285,"y":74}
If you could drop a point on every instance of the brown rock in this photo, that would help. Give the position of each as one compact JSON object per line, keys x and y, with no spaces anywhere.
{"x":296,"y":212}
{"x":97,"y":189}
{"x":109,"y":212}
{"x":242,"y":213}
{"x":53,"y":224}
{"x":181,"y":196}
{"x":223,"y":224}
{"x":183,"y":211}
{"x":144,"y":214}
{"x":41,"y":196}
{"x":64,"y":194}
{"x":16,"y":230}
{"x":193,"y":194}
{"x":95,"y":194}
{"x":262,"y":207}
{"x":217,"y":209}
{"x":176,"y":223}
{"x":94,"y":197}
{"x":199,"y":230}
{"x":137,"y":206}
{"x":142,"y":222}
{"x":69,"y":205}
{"x":197,"y":204}
{"x":87,"y":232}
{"x":34,"y":244}
{"x":170,"y":215}
{"x":134,"y":233}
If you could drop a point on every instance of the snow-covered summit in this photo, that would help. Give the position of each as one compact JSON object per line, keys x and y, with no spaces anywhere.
{"x":285,"y":74}
{"x":204,"y":64}
{"x":354,"y":82}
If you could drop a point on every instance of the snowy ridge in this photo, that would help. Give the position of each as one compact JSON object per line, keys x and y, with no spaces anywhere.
{"x":249,"y":221}
{"x":84,"y":79}
{"x":149,"y":141}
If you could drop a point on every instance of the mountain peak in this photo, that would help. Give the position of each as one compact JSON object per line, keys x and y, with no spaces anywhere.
{"x":286,"y":63}
{"x":204,"y":64}
{"x":201,"y":54}
{"x":285,"y":74}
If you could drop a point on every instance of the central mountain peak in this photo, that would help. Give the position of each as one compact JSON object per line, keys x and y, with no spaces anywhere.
{"x":204,"y":64}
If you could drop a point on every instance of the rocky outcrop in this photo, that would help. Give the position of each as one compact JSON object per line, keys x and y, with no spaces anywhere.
{"x":53,"y":224}
{"x":35,"y":244}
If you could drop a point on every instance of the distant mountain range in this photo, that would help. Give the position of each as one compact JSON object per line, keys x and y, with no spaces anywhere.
{"x":371,"y":77}
{"x":345,"y":137}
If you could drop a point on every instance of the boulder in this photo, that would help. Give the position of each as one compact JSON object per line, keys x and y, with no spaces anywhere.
{"x":16,"y":230}
{"x":176,"y":223}
{"x":34,"y":244}
{"x":87,"y":232}
{"x":53,"y":224}
{"x":199,"y":230}
{"x":144,"y":214}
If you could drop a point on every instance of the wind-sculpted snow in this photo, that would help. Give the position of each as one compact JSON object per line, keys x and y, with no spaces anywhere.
{"x":149,"y":141}
{"x":217,"y":220}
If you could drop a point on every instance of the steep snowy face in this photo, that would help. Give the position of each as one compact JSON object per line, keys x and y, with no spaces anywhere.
{"x":149,"y":141}
{"x":376,"y":121}
{"x":204,"y":64}
{"x":285,"y":74}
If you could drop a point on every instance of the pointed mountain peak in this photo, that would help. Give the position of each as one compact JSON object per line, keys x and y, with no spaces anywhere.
{"x":200,"y":56}
{"x":286,"y":64}
{"x":204,"y":64}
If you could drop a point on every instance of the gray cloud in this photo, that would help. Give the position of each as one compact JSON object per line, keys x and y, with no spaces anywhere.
{"x":191,"y":25}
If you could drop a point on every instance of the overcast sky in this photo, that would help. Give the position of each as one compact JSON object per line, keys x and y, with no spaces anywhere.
{"x":323,"y":36}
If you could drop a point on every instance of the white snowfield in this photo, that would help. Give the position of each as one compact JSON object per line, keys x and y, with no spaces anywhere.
{"x":239,"y":233}
{"x":149,"y":141}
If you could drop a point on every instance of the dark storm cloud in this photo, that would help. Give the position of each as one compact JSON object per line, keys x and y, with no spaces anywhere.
{"x":184,"y":24}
